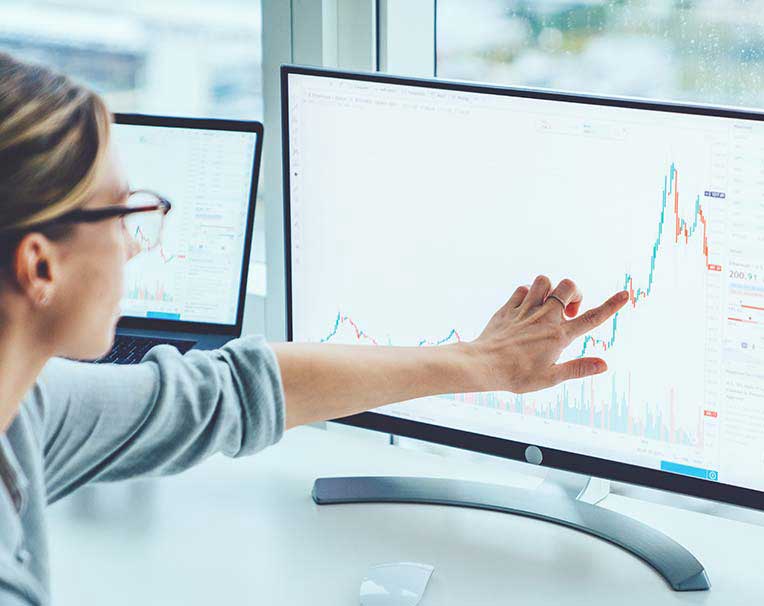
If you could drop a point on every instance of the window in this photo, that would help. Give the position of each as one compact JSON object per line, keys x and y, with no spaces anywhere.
{"x":707,"y":51}
{"x":182,"y":57}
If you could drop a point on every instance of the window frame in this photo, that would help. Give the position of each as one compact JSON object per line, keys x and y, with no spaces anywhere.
{"x":367,"y":35}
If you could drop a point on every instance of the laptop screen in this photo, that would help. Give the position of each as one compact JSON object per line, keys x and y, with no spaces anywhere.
{"x":196,"y":273}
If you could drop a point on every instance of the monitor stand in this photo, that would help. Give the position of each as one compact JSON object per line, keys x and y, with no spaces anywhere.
{"x":563,"y":498}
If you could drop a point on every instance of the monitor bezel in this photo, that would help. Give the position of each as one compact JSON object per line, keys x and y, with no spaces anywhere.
{"x":501,"y":447}
{"x":243,"y":126}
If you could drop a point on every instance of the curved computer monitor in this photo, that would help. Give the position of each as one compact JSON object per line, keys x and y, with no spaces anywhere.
{"x":415,"y":207}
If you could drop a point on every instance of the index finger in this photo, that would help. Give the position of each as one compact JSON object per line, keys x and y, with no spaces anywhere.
{"x":596,"y":316}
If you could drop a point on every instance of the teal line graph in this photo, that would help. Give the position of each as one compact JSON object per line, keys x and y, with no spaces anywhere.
{"x":683,"y":230}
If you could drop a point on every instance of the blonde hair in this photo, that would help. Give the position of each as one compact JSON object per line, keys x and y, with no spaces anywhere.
{"x":53,"y":139}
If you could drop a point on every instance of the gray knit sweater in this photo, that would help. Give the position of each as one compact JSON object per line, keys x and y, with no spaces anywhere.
{"x":85,"y":423}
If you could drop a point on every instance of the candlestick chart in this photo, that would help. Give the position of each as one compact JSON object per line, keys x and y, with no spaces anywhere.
{"x":608,"y":404}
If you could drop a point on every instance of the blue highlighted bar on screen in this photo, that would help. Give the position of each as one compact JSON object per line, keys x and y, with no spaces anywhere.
{"x":687,"y":470}
{"x":161,"y":315}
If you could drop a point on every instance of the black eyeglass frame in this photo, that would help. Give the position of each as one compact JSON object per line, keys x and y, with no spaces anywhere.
{"x":93,"y":215}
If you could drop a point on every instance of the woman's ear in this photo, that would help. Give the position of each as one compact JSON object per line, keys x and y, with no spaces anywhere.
{"x":32,"y":268}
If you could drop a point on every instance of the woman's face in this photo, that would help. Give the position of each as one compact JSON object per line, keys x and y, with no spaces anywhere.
{"x":85,"y":304}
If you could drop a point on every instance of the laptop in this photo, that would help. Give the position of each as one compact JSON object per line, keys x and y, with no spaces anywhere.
{"x":190,"y":291}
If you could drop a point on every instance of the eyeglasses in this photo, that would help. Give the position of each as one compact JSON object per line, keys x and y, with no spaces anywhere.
{"x":142,"y":216}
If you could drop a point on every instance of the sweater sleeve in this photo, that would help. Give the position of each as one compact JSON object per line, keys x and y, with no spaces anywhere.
{"x":10,"y":597}
{"x":104,"y":422}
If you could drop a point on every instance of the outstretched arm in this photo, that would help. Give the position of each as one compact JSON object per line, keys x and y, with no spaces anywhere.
{"x":106,"y":422}
{"x":517,"y":351}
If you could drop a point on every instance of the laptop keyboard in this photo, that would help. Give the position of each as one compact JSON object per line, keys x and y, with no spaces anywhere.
{"x":130,"y":350}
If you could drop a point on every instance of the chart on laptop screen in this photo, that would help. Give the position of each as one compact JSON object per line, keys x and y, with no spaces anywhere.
{"x":207,"y":175}
{"x":415,"y":212}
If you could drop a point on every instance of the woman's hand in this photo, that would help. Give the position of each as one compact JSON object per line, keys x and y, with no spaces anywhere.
{"x":517,"y":351}
{"x":523,"y":340}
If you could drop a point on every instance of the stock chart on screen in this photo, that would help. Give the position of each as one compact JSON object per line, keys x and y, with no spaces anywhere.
{"x":415,"y":212}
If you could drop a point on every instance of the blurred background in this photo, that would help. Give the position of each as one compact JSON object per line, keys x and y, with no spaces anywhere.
{"x":706,"y":51}
{"x":194,"y":57}
{"x":181,"y":57}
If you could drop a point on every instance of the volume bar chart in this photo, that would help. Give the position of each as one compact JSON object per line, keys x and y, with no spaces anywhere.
{"x":157,"y":292}
{"x":612,"y":412}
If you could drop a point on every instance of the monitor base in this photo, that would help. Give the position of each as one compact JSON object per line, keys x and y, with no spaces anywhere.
{"x":677,"y":565}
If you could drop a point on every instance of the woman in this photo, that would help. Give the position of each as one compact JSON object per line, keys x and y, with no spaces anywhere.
{"x":63,"y":245}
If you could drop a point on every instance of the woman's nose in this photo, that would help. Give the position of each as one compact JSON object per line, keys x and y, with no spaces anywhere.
{"x":133,"y":247}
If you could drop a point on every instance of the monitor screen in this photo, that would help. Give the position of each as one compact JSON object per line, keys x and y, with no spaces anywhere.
{"x":195,"y":275}
{"x":416,"y":208}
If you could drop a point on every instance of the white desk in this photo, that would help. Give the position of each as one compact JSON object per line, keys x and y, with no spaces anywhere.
{"x":247,"y":532}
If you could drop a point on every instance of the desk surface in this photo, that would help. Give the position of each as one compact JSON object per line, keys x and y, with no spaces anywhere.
{"x":247,"y":532}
